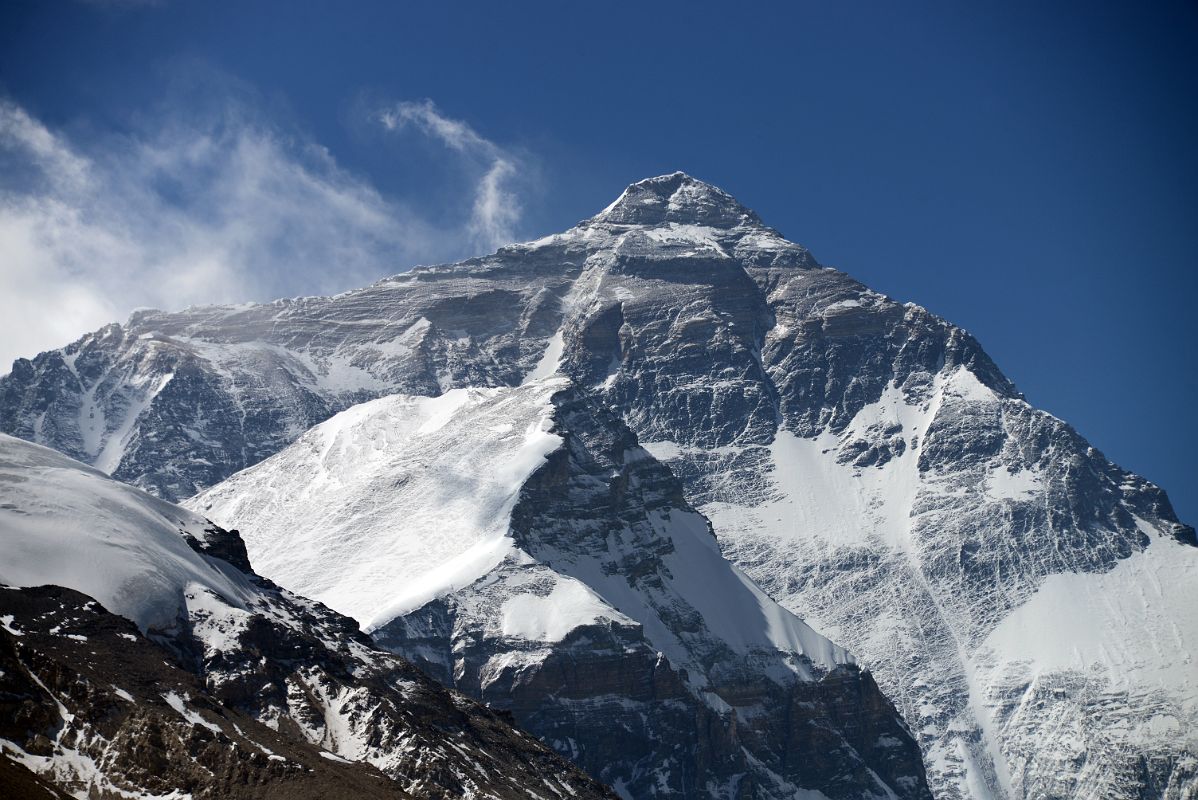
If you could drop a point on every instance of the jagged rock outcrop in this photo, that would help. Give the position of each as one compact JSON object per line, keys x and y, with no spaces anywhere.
{"x":862,"y":459}
{"x":91,"y":706}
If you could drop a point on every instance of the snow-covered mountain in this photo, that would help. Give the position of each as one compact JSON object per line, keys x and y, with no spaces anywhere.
{"x":519,"y":544}
{"x":863,"y":460}
{"x":141,"y":656}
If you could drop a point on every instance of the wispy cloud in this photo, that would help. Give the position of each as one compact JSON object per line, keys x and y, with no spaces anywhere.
{"x":496,"y":210}
{"x":225,"y":209}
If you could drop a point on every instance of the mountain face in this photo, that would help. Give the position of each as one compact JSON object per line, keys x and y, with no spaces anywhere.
{"x":144,"y":657}
{"x":521,"y":546}
{"x":1019,"y":597}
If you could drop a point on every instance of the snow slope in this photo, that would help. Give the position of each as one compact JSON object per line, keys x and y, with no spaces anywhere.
{"x":69,"y":525}
{"x":408,"y":496}
{"x":1122,"y":642}
{"x":1136,"y":625}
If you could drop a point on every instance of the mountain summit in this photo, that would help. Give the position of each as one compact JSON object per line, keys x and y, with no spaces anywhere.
{"x":678,"y":198}
{"x":1020,"y":598}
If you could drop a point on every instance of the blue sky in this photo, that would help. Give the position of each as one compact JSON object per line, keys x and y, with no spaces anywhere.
{"x":1026,"y":170}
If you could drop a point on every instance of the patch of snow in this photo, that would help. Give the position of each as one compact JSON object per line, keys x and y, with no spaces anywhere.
{"x":963,"y":384}
{"x":215,"y":623}
{"x":818,"y":500}
{"x":113,"y":450}
{"x":702,"y":236}
{"x":544,"y":241}
{"x":327,"y":374}
{"x":1002,"y":484}
{"x":549,"y":618}
{"x":266,"y":751}
{"x":733,"y":608}
{"x":549,"y":362}
{"x":764,"y":240}
{"x":664,"y":450}
{"x":179,"y":704}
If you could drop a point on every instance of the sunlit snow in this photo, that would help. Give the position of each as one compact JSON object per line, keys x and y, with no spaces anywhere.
{"x":125,"y":545}
{"x":408,"y":496}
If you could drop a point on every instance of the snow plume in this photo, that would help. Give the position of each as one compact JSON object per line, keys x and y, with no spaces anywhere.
{"x":195,"y":207}
{"x":496,"y":209}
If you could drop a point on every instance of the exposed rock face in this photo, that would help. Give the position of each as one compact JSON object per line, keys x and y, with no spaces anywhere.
{"x":599,"y":494}
{"x":604,"y":617}
{"x":90,"y":704}
{"x":253,"y":692}
{"x":863,"y":460}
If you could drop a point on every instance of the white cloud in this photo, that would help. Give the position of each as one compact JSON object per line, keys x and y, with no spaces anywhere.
{"x":496,"y":210}
{"x":426,"y":116}
{"x":226,"y":210}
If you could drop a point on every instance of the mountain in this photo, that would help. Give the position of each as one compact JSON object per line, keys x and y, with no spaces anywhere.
{"x":521,"y":546}
{"x":141,"y":656}
{"x":1020,"y":597}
